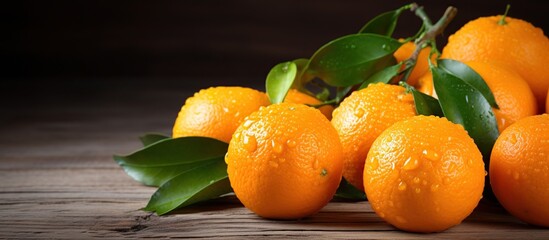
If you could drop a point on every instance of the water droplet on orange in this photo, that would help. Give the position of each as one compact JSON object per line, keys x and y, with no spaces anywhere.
{"x":291,"y":143}
{"x":411,"y":164}
{"x":431,"y":155}
{"x":359,"y":112}
{"x":250,"y":143}
{"x":281,"y":160}
{"x":273,"y":164}
{"x":434,"y":187}
{"x":373,"y":164}
{"x":381,"y":215}
{"x":417,"y":190}
{"x":247,"y":124}
{"x":402,"y":186}
{"x":277,"y":147}
{"x":237,"y":135}
{"x":416,"y":180}
{"x":406,"y":98}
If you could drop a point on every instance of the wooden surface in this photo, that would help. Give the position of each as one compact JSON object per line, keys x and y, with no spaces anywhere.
{"x":58,"y":179}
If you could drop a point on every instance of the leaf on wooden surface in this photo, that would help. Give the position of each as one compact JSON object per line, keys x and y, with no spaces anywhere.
{"x":157,"y":163}
{"x":202,"y":183}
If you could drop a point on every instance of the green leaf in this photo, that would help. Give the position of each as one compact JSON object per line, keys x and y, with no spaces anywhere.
{"x":279,"y":81}
{"x":200,"y":184}
{"x":302,"y":78}
{"x":349,"y":192}
{"x":383,"y":76}
{"x":151,"y":138}
{"x":351,"y":59}
{"x":463,"y":104}
{"x":159,"y":162}
{"x":383,"y":24}
{"x":426,"y":105}
{"x":469,"y":75}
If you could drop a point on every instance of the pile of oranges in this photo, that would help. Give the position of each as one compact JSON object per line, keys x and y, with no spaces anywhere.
{"x":419,"y":173}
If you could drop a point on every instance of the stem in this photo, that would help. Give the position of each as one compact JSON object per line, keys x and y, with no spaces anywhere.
{"x":502,"y":20}
{"x":431,"y":31}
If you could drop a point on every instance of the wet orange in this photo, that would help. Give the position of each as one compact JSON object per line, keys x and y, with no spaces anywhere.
{"x":424,"y":174}
{"x":362,"y":116}
{"x":517,"y":44}
{"x":285,"y":161}
{"x":216,"y":112}
{"x":519,"y":169}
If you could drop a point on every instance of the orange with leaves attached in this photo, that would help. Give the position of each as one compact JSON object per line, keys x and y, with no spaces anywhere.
{"x":285,"y":161}
{"x":514,"y":43}
{"x":511,"y":91}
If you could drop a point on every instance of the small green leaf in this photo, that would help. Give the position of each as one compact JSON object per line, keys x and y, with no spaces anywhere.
{"x":279,"y":81}
{"x":383,"y":76}
{"x":383,"y":24}
{"x":469,"y":75}
{"x":200,"y":184}
{"x":349,"y":192}
{"x":463,"y":104}
{"x":302,"y":78}
{"x":351,"y":59}
{"x":151,"y":138}
{"x":159,"y":162}
{"x":426,"y":105}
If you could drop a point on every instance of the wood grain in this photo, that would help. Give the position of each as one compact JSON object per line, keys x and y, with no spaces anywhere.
{"x":58,"y":181}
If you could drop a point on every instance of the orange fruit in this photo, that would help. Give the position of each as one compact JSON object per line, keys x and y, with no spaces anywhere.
{"x":425,"y":85}
{"x":424,"y":174}
{"x":216,"y":112}
{"x":519,"y":169}
{"x":517,"y":44}
{"x":285,"y":161}
{"x":362,"y":116}
{"x":512,"y":93}
{"x":295,"y":96}
{"x":422,"y":63}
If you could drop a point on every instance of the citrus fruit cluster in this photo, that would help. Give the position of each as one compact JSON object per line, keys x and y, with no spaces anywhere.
{"x":285,"y":160}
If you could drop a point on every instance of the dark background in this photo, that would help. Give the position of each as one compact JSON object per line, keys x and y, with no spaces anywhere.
{"x":59,"y":52}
